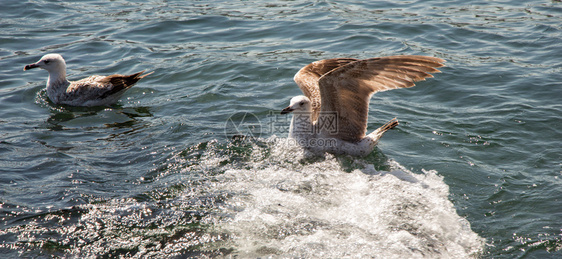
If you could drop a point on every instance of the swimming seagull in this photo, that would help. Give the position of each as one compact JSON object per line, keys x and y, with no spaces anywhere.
{"x":91,"y":91}
{"x":332,"y":115}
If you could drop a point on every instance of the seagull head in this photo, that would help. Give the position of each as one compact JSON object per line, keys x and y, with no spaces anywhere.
{"x":50,"y":62}
{"x":299,"y":103}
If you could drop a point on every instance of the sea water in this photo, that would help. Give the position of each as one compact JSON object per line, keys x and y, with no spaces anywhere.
{"x":473,"y":169}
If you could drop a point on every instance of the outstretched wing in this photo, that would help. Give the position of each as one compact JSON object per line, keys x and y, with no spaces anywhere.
{"x":348,"y":89}
{"x":307,"y":79}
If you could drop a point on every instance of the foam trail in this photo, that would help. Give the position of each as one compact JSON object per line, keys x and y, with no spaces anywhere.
{"x":319,"y":210}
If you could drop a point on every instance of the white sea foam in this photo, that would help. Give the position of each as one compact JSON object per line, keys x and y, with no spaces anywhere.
{"x":319,"y":210}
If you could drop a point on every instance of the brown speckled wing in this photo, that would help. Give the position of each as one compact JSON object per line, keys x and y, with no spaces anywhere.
{"x":101,"y":87}
{"x":307,"y":79}
{"x":348,"y":89}
{"x":121,"y":83}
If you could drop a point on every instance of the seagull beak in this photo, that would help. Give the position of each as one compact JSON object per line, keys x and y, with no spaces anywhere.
{"x":30,"y":66}
{"x":287,"y":110}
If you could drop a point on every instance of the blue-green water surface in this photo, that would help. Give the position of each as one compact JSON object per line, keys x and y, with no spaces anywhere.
{"x":473,"y":170}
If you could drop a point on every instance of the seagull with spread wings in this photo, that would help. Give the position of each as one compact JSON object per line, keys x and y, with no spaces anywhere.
{"x":91,"y":91}
{"x":332,"y":115}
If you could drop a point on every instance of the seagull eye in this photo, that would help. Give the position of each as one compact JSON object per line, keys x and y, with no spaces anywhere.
{"x":301,"y":103}
{"x":47,"y":61}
